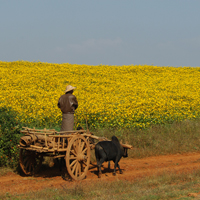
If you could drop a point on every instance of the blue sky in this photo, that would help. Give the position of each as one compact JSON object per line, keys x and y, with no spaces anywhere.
{"x":93,"y":32}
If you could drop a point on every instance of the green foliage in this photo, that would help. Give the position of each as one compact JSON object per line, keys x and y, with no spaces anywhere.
{"x":9,"y":138}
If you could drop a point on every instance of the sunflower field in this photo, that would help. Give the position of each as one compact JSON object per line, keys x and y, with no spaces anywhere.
{"x":108,"y":96}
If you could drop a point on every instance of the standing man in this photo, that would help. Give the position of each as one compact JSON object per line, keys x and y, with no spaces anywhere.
{"x":68,"y":104}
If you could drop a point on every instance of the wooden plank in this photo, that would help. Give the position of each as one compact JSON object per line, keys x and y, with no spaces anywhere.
{"x":34,"y":149}
{"x":60,"y":156}
{"x":73,"y":131}
{"x":63,"y":143}
{"x":61,"y":150}
{"x":45,"y":139}
{"x":55,"y":150}
{"x":58,"y":143}
{"x":49,"y":150}
{"x":37,"y":147}
{"x":26,"y":128}
{"x":38,"y":133}
{"x":61,"y":136}
{"x":54,"y":141}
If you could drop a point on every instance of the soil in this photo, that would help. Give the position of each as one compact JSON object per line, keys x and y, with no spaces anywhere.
{"x":132,"y":169}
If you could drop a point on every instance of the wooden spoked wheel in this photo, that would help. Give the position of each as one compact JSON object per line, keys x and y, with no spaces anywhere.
{"x":78,"y":157}
{"x":30,"y":161}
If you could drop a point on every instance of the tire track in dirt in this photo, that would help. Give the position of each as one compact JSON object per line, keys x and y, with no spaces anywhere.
{"x":132,"y":169}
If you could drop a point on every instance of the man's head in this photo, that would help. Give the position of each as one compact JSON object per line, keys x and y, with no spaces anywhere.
{"x":70,"y":89}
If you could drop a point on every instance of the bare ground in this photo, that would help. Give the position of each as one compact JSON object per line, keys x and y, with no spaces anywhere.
{"x":132,"y":169}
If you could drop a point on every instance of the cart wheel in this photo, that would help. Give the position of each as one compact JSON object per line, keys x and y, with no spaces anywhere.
{"x":30,"y":161}
{"x":78,"y":157}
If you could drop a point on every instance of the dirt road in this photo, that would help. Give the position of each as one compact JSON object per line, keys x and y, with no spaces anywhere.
{"x":132,"y":169}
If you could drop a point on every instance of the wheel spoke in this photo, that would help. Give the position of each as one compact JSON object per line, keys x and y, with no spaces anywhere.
{"x":76,"y":142}
{"x":73,"y":163}
{"x":79,"y":145}
{"x":84,"y":150}
{"x":83,"y":166}
{"x":85,"y":163}
{"x":74,"y":167}
{"x":79,"y":169}
{"x":75,"y":154}
{"x":27,"y":164}
{"x":25,"y":160}
{"x":74,"y":148}
{"x":72,"y":157}
{"x":82,"y":145}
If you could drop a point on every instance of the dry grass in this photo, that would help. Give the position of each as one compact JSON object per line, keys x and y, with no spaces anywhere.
{"x":166,"y":186}
{"x":5,"y":170}
{"x":179,"y":137}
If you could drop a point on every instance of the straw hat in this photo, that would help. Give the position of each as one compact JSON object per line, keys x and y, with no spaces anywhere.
{"x":69,"y":88}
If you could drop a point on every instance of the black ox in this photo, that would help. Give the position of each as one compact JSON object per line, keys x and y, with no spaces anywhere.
{"x":107,"y":151}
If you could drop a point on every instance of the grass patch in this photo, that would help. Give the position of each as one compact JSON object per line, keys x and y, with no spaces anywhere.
{"x":165,"y":186}
{"x":5,"y":170}
{"x":179,"y":137}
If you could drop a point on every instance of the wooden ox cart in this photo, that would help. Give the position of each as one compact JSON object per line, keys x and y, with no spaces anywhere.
{"x":75,"y":146}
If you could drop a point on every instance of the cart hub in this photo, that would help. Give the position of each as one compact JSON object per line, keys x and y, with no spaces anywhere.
{"x":81,"y":157}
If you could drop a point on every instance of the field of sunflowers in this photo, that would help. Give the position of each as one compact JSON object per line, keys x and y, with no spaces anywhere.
{"x":108,"y":96}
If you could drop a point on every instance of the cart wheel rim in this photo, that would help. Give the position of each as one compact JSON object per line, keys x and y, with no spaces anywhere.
{"x":30,"y":161}
{"x":78,"y":157}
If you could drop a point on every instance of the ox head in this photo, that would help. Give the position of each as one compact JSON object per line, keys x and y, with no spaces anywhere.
{"x":125,"y":152}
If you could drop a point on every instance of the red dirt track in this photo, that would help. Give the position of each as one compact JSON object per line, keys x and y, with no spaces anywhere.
{"x":132,"y":169}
